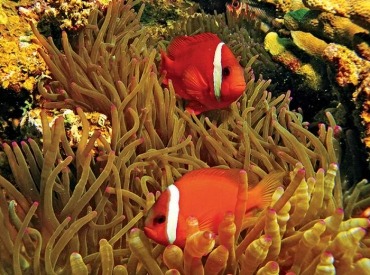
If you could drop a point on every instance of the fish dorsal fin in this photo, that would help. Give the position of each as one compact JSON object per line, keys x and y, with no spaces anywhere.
{"x":233,"y":174}
{"x":195,"y":84}
{"x":260,"y":196}
{"x":179,"y":43}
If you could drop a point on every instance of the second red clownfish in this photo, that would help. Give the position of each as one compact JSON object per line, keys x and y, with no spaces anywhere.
{"x":203,"y":71}
{"x":206,"y":194}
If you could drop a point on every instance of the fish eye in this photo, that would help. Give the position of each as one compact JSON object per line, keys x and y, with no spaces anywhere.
{"x":235,"y":4}
{"x":159,"y":219}
{"x":226,"y":71}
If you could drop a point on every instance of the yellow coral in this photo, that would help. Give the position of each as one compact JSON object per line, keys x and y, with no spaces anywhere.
{"x":3,"y":16}
{"x":309,"y":43}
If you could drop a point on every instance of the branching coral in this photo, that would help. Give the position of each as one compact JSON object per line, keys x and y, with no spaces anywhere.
{"x":73,"y":213}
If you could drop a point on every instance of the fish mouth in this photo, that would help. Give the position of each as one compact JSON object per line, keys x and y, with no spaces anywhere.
{"x":240,"y":87}
{"x":152,"y":234}
{"x":241,"y":84}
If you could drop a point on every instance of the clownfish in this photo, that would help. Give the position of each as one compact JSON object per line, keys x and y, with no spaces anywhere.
{"x":203,"y":71}
{"x":206,"y":194}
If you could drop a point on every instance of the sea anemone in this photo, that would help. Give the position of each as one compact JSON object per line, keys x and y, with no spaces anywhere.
{"x":72,"y":211}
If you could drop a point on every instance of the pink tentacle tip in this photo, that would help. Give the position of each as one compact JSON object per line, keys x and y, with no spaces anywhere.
{"x":113,"y":107}
{"x":69,"y":218}
{"x":36,"y":203}
{"x":273,"y":265}
{"x":337,"y":131}
{"x":267,"y":238}
{"x":23,"y":143}
{"x":340,"y":211}
{"x":242,"y":171}
{"x":134,"y":230}
{"x":14,"y":144}
{"x":322,"y":222}
{"x":272,"y":211}
{"x":29,"y":140}
{"x":328,"y":254}
{"x":302,"y":171}
{"x":321,"y":170}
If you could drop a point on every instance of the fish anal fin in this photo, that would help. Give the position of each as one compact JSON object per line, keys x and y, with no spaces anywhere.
{"x":259,"y":197}
{"x":195,"y":107}
{"x":195,"y":85}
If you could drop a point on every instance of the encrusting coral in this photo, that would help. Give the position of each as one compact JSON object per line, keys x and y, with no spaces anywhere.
{"x":75,"y":212}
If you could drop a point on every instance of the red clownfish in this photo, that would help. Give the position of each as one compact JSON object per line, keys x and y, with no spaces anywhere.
{"x":206,"y":194}
{"x":203,"y":71}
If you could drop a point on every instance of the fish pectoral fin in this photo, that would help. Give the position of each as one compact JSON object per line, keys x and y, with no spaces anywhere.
{"x":263,"y":191}
{"x":206,"y":223}
{"x":195,"y":85}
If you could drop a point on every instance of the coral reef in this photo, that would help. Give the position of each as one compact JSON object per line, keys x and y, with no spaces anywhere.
{"x":327,"y":26}
{"x":351,"y":69}
{"x":327,"y":45}
{"x":279,"y":48}
{"x":21,"y":65}
{"x":67,"y":15}
{"x":70,"y":212}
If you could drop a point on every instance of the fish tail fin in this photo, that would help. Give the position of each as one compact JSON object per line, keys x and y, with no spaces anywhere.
{"x":260,"y":196}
